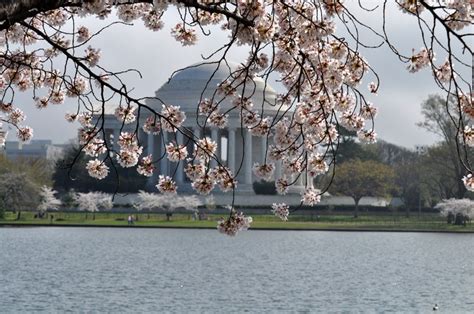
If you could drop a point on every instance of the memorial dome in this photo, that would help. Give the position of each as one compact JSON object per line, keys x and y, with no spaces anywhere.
{"x":185,"y":88}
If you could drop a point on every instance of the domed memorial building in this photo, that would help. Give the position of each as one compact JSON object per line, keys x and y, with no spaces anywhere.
{"x":186,"y":89}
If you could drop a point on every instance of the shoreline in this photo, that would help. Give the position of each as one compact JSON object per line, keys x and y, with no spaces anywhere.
{"x":343,"y":229}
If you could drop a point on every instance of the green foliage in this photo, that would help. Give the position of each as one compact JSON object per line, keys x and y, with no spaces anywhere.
{"x":36,"y":169}
{"x":390,"y":154}
{"x":436,"y":118}
{"x":71,"y":173}
{"x":20,"y":181}
{"x":408,"y":181}
{"x":68,"y":199}
{"x":421,"y":180}
{"x":264,"y":188}
{"x":443,"y":165}
{"x":357,"y":178}
{"x":18,"y":192}
{"x":442,"y":173}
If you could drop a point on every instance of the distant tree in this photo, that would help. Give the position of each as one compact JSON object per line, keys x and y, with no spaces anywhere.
{"x":38,"y":170}
{"x":357,"y":178}
{"x":350,"y":148}
{"x":93,"y":202}
{"x":18,"y":192}
{"x":69,"y":199}
{"x":2,"y":212}
{"x":448,"y":156}
{"x":404,"y":161}
{"x":439,"y":172}
{"x":409,"y":179}
{"x":47,"y":200}
{"x":391,"y":154}
{"x":166,"y":202}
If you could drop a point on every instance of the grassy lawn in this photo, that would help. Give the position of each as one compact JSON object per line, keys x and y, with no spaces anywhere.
{"x":366,"y":221}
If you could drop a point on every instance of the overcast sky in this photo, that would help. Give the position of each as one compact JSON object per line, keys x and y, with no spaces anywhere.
{"x":157,"y":55}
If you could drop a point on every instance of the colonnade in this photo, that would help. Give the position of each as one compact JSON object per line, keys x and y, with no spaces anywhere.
{"x":254,"y":150}
{"x":155,"y":145}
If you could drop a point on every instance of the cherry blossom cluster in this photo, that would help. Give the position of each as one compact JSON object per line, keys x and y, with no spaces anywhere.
{"x":420,"y":60}
{"x":97,"y":169}
{"x":204,"y":182}
{"x":172,"y":118}
{"x":14,"y":116}
{"x":311,"y":196}
{"x":469,"y":135}
{"x":146,"y":167}
{"x":281,"y":211}
{"x":166,"y":185}
{"x":282,"y":185}
{"x":176,"y":152}
{"x":467,"y":104}
{"x":204,"y":149}
{"x":264,"y":171}
{"x":125,"y":114}
{"x":130,"y":151}
{"x":469,"y":182}
{"x":234,"y":223}
{"x":152,"y":125}
{"x":456,"y":14}
{"x":185,"y":35}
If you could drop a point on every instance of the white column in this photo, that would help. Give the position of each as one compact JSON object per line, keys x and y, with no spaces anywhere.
{"x":180,"y":171}
{"x":231,"y":151}
{"x":309,"y":181}
{"x":150,"y":150}
{"x":264,"y":148}
{"x":116,"y":138}
{"x":278,"y":169}
{"x":215,"y":138}
{"x":142,"y":137}
{"x":248,"y":157}
{"x":150,"y":146}
{"x":301,"y":180}
{"x":197,"y":132}
{"x":164,"y":161}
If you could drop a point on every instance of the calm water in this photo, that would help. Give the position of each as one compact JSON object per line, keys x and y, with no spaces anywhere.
{"x":160,"y":270}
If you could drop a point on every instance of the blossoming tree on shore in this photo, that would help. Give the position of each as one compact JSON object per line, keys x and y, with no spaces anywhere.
{"x":47,"y":52}
{"x":458,"y":211}
{"x":167,"y":202}
{"x":93,"y":202}
{"x":47,"y":199}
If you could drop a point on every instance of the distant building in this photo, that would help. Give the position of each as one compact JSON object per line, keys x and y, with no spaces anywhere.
{"x":421,"y":149}
{"x":186,"y":89}
{"x":34,"y":149}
